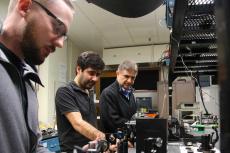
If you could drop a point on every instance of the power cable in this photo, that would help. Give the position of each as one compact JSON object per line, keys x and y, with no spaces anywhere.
{"x":198,"y":83}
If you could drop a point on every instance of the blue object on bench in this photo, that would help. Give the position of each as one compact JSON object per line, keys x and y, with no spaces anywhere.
{"x":51,"y":143}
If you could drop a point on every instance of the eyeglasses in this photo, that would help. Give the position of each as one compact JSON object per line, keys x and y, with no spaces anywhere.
{"x":60,"y":27}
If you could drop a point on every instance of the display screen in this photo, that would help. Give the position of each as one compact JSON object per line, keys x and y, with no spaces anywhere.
{"x":144,"y":104}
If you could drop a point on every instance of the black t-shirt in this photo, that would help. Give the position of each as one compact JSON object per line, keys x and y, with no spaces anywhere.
{"x":73,"y":99}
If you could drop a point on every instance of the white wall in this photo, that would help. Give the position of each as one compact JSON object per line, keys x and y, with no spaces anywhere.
{"x":55,"y":72}
{"x":211,"y":99}
{"x":3,"y":9}
{"x":139,"y":54}
{"x":42,"y":92}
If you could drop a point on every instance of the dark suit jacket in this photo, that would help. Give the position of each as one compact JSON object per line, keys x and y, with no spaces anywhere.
{"x":115,"y":108}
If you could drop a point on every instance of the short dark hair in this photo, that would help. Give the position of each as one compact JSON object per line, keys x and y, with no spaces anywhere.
{"x":90,"y":59}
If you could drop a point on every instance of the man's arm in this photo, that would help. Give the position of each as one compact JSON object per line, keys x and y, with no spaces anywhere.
{"x":84,"y":127}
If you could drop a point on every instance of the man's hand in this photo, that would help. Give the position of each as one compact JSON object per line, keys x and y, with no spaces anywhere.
{"x":100,"y":136}
{"x":89,"y":145}
{"x":113,"y":148}
{"x":130,"y":145}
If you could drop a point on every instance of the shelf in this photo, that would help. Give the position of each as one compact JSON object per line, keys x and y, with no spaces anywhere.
{"x":193,"y":38}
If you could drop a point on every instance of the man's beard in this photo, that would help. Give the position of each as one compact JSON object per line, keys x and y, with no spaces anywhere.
{"x":86,"y":84}
{"x":29,"y":46}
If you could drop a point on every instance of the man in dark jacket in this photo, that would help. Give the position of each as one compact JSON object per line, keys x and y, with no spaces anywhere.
{"x":117,"y":102}
{"x":25,"y":38}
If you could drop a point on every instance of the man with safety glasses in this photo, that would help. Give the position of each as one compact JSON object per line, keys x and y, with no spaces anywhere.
{"x":31,"y":31}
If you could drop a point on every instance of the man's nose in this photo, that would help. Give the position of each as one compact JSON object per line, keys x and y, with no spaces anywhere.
{"x":130,"y":79}
{"x":59,"y":42}
{"x":95,"y":78}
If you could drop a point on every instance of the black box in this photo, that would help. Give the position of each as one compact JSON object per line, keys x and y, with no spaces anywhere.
{"x":151,"y":128}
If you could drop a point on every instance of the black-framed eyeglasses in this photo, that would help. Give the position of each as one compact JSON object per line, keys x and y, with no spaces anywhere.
{"x":59,"y":28}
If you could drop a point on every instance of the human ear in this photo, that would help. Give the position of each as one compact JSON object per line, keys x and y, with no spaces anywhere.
{"x":24,"y":5}
{"x":117,"y":72}
{"x":78,"y":69}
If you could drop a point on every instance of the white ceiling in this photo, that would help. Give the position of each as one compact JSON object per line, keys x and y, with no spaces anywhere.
{"x":95,"y":28}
